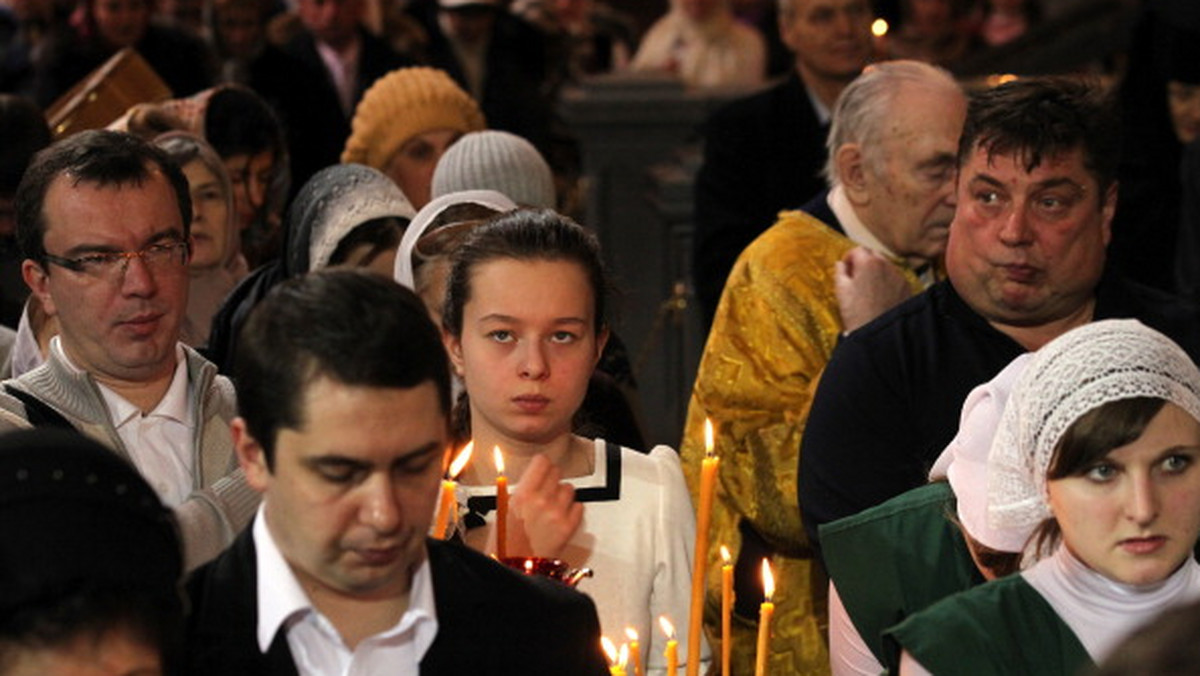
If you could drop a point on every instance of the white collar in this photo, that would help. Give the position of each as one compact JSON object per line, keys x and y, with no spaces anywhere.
{"x":282,"y":601}
{"x":855,"y":229}
{"x":822,"y":110}
{"x":1099,"y":610}
{"x":175,"y":405}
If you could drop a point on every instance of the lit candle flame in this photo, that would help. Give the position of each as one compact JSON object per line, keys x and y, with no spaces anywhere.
{"x":529,"y":566}
{"x":499,"y":457}
{"x":768,"y":580}
{"x":708,"y":438}
{"x":725,"y":555}
{"x":879,"y":28}
{"x":667,"y":627}
{"x":610,"y":649}
{"x":623,"y":656}
{"x":460,"y":461}
{"x":631,"y":633}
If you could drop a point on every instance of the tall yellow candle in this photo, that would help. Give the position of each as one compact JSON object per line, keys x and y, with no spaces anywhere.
{"x":765,"y":611}
{"x":708,"y":479}
{"x":501,"y":505}
{"x":448,"y":507}
{"x":635,"y":651}
{"x":726,"y":609}
{"x":672,"y":651}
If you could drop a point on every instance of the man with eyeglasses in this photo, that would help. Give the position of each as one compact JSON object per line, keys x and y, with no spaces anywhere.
{"x":103,"y":222}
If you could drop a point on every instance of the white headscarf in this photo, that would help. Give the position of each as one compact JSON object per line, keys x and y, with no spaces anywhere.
{"x":965,"y":461}
{"x":1075,"y":373}
{"x":403,"y":272}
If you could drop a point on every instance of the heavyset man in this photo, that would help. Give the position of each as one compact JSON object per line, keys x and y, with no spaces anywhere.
{"x":1036,"y":192}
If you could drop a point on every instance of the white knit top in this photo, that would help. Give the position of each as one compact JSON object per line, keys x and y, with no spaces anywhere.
{"x":1100,"y":611}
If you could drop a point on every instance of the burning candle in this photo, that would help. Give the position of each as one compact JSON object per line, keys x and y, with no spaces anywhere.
{"x":765,"y":611}
{"x":635,"y":650}
{"x":501,"y":505}
{"x":708,"y":478}
{"x":672,"y":651}
{"x":616,"y":658}
{"x":726,"y":608}
{"x":448,"y":507}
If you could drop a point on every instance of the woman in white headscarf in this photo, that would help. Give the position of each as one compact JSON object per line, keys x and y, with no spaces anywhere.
{"x":1098,"y":452}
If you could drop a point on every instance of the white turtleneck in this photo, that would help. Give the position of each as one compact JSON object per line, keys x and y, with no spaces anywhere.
{"x":1101,"y":611}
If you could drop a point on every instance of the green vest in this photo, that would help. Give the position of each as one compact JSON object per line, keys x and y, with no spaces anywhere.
{"x":895,"y":559}
{"x":999,"y":628}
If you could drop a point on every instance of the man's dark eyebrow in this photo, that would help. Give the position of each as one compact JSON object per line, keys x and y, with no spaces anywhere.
{"x":341,"y":461}
{"x":1058,"y":182}
{"x":338,"y":461}
{"x":168,"y":235}
{"x":987,"y":179}
{"x":420,"y":453}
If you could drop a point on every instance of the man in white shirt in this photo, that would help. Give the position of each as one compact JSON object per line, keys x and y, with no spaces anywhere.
{"x":344,"y":428}
{"x":103,"y":222}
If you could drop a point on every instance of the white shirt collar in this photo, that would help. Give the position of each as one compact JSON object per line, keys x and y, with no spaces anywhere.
{"x":282,"y":602}
{"x":822,"y":110}
{"x":855,"y":229}
{"x":280,"y":596}
{"x":175,"y":404}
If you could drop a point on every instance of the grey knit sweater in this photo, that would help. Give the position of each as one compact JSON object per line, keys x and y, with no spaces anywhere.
{"x":221,"y":503}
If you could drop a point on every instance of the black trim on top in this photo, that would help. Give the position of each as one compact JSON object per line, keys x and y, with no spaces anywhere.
{"x":478,"y":506}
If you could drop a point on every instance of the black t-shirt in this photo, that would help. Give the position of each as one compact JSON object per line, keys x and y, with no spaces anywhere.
{"x":890,"y":399}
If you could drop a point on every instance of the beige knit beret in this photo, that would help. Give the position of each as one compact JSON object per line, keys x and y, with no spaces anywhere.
{"x":402,"y":104}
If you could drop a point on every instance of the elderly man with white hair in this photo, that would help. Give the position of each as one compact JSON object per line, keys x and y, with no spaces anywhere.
{"x":792,"y":292}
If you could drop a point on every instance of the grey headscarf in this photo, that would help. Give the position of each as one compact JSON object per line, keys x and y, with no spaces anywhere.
{"x":331,"y":204}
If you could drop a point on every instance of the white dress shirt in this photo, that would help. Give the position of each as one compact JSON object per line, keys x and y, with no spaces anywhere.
{"x":343,"y":70}
{"x":317,"y":647}
{"x":160,"y":443}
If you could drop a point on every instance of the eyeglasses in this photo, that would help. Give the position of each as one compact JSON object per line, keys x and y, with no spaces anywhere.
{"x":112,"y":265}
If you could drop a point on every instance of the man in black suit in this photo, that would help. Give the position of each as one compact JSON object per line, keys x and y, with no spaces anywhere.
{"x":764,"y":153}
{"x":344,"y":428}
{"x":498,"y":58}
{"x":335,"y":43}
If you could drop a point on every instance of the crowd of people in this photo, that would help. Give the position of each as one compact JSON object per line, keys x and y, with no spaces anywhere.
{"x":951,"y":353}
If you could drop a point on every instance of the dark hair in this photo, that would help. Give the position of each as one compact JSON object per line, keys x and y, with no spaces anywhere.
{"x":24,"y":130}
{"x":999,"y":563}
{"x":88,"y":547}
{"x":92,"y":612}
{"x":237,"y":121}
{"x":1040,"y":117}
{"x":96,"y":156}
{"x":1089,"y":439}
{"x":382,"y":234}
{"x":525,"y":235}
{"x":353,"y":327}
{"x":1166,"y":646}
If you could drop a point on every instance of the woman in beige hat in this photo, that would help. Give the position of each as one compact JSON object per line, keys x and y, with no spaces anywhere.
{"x":404,"y":123}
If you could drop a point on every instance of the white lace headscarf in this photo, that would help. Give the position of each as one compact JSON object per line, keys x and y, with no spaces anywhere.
{"x":1077,"y":372}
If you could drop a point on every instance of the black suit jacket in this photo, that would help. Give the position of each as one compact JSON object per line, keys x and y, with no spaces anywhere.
{"x":375,"y":60}
{"x":515,"y":81}
{"x":762,"y":154}
{"x":491,"y":620}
